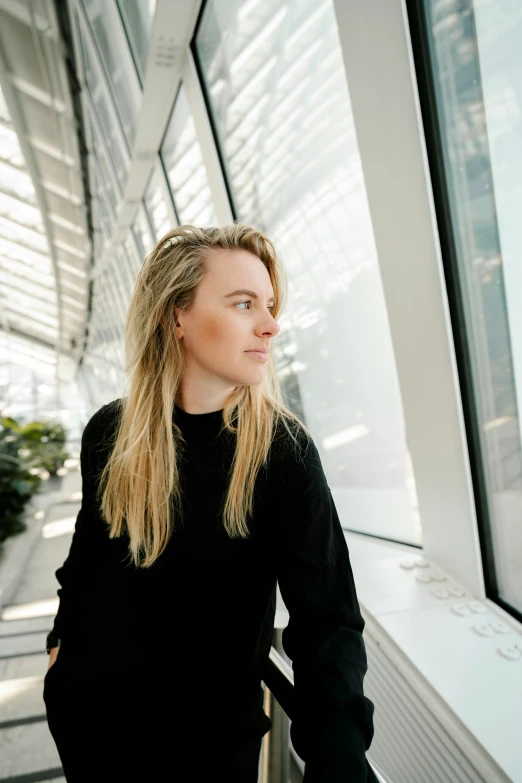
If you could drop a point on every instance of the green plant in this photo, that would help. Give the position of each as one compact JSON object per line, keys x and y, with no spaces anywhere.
{"x":46,"y":443}
{"x":19,"y":479}
{"x":25,"y":451}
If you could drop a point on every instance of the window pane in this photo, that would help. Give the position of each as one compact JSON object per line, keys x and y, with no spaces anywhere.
{"x":133,"y":257}
{"x":184,"y":166}
{"x":116,"y":61}
{"x":23,"y":235}
{"x":137,"y":17}
{"x":142,"y":234}
{"x":101,"y":106}
{"x":9,"y":147}
{"x":156,"y":202}
{"x":480,"y":111}
{"x":281,"y":107}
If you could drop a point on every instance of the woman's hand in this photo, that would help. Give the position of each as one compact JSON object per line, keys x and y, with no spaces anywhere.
{"x":53,"y":654}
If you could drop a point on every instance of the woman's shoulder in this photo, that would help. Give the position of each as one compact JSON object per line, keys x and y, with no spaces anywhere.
{"x":292,"y":447}
{"x":102,"y":422}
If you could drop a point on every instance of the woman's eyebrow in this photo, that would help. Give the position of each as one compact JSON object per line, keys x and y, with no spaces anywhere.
{"x":247,"y":292}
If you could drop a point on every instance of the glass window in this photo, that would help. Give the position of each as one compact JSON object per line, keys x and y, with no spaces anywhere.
{"x":109,"y":180}
{"x":9,"y":147}
{"x":477,"y":66}
{"x":102,"y":195}
{"x":17,"y":183}
{"x":184,"y":166}
{"x":134,"y":260}
{"x":115,"y":56}
{"x":142,"y":234}
{"x":113,"y":281}
{"x":281,"y":107}
{"x":18,"y":212}
{"x":102,"y":107}
{"x":125,"y":273}
{"x":158,"y":203}
{"x":137,"y":17}
{"x":27,"y":378}
{"x":23,"y":235}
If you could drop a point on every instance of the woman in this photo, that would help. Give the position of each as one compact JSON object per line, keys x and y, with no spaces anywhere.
{"x":201,"y":490}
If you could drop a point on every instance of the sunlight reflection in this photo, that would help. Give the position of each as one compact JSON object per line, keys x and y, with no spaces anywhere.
{"x":345,"y":436}
{"x":49,"y":606}
{"x":10,"y":689}
{"x":59,"y":527}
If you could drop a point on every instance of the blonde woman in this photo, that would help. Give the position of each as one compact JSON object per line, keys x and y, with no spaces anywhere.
{"x":201,"y":490}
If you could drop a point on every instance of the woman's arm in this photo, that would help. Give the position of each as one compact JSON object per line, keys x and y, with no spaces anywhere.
{"x":75,"y":575}
{"x":333,"y":723}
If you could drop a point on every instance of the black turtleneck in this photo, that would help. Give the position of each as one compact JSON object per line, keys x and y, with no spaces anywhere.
{"x":196,"y":627}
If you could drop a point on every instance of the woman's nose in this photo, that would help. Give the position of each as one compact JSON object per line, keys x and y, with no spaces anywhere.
{"x":272,"y":327}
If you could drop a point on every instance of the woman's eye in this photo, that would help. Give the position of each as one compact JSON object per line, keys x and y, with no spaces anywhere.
{"x":248,"y":301}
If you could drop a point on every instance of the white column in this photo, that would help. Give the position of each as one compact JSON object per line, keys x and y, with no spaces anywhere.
{"x":381,"y":80}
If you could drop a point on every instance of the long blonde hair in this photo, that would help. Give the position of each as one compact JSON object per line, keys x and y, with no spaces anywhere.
{"x":139,"y":486}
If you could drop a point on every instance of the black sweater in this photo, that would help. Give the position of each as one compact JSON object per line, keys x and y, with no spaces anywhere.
{"x":201,"y":618}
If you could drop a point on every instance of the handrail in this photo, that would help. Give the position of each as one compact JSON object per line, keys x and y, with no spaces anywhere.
{"x":279,"y":679}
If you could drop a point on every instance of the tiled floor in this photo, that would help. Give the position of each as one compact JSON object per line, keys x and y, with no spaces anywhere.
{"x":27,"y":749}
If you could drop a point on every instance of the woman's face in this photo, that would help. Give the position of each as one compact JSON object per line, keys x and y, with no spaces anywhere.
{"x":223,"y":327}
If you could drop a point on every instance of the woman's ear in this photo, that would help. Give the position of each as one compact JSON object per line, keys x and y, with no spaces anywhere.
{"x":162,"y":321}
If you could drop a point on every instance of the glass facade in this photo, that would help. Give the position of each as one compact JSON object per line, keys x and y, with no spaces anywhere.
{"x":281,"y":106}
{"x":102,"y":110}
{"x":28,"y":295}
{"x":158,"y":203}
{"x":112,"y":54}
{"x":107,"y":31}
{"x":142,"y":234}
{"x":184,"y":167}
{"x":477,"y":67}
{"x":137,"y":17}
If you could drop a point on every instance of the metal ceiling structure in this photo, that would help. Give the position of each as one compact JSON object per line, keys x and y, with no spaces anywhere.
{"x":45,"y":250}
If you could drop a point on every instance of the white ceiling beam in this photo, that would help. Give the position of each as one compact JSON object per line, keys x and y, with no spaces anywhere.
{"x":163,"y":73}
{"x":28,"y":153}
{"x":171,"y":32}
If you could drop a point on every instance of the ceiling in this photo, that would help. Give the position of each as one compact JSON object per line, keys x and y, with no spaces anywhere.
{"x":45,"y":252}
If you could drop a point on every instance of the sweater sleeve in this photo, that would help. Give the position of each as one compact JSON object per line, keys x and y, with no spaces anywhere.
{"x":332,"y":726}
{"x":76,"y":574}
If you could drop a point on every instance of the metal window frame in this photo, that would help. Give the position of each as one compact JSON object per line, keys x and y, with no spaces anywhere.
{"x":122,"y":45}
{"x":383,"y":89}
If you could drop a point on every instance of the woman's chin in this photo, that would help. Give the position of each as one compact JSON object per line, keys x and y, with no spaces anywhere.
{"x":251,"y":379}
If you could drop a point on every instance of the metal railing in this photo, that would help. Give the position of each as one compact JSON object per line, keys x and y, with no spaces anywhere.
{"x":279,"y":706}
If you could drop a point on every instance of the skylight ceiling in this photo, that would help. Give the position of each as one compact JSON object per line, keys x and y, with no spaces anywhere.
{"x":44,"y":245}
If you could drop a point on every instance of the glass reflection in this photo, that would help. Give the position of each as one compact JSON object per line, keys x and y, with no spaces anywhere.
{"x":137,"y":17}
{"x":281,"y":108}
{"x":477,"y":64}
{"x":114,"y":55}
{"x":156,"y":203}
{"x":184,"y":166}
{"x":142,"y":234}
{"x":102,"y":108}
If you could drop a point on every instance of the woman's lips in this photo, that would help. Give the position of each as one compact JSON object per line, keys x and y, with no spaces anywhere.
{"x":262,"y":357}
